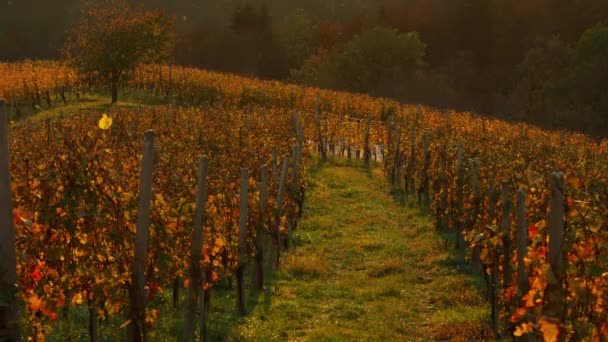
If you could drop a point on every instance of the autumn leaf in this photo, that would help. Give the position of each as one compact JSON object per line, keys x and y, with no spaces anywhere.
{"x":105,"y":122}
{"x":549,"y":330}
{"x":77,"y":299}
{"x":524,"y":328}
{"x":35,"y":303}
{"x":532,"y":232}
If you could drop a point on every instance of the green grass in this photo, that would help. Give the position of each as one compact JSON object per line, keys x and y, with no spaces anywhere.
{"x":366,"y":268}
{"x":98,"y":102}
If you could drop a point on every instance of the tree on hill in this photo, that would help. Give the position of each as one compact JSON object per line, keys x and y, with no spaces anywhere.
{"x":380,"y":61}
{"x":540,"y":80}
{"x":111,"y":38}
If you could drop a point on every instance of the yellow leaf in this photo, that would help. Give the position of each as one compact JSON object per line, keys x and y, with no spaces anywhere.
{"x":77,"y":299}
{"x":105,"y":122}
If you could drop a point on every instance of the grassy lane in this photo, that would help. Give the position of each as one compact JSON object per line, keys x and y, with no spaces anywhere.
{"x":366,"y":268}
{"x":97,"y":102}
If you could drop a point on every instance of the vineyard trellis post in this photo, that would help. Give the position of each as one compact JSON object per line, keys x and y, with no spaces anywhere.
{"x":389,"y":145}
{"x":425,"y":197}
{"x":505,"y":231}
{"x":321,"y":145}
{"x":258,"y":282}
{"x":442,"y":208}
{"x":554,"y":296}
{"x":9,"y":308}
{"x":275,"y":166}
{"x":447,"y":120}
{"x":412,"y":164}
{"x":493,"y":284}
{"x":243,"y":216}
{"x":396,"y":174}
{"x":137,"y":327}
{"x":476,"y":264}
{"x":459,"y":197}
{"x":279,"y":209}
{"x":299,"y":137}
{"x":367,"y":149}
{"x":196,"y":282}
{"x":294,"y":189}
{"x":522,"y":241}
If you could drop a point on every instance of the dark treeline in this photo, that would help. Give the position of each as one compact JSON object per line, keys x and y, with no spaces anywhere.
{"x":540,"y":61}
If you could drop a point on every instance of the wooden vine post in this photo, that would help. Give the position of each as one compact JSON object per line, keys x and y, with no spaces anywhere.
{"x":388,"y":171}
{"x":505,"y":228}
{"x":459,"y":198}
{"x":278,"y":214}
{"x":197,"y":276}
{"x":410,"y":180}
{"x":9,"y":307}
{"x":321,"y":142}
{"x":137,"y":327}
{"x":425,"y":196}
{"x":505,"y":231}
{"x":367,"y":149}
{"x":295,"y":192}
{"x":493,"y":293}
{"x":476,"y":264}
{"x":396,"y":172}
{"x":299,"y":136}
{"x":522,"y":241}
{"x":447,"y":120}
{"x":554,"y":295}
{"x":442,"y":208}
{"x":258,"y":282}
{"x":243,"y":216}
{"x":275,"y":166}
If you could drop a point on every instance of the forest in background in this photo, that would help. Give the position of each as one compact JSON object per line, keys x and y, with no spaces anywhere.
{"x":539,"y":61}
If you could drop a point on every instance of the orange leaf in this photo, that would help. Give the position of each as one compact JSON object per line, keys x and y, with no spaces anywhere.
{"x":549,"y":330}
{"x":524,"y":328}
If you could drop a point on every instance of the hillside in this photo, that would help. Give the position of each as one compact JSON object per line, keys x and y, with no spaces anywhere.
{"x":524,"y":207}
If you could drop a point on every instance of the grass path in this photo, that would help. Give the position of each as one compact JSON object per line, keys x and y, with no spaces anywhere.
{"x":366,"y":268}
{"x":97,"y":102}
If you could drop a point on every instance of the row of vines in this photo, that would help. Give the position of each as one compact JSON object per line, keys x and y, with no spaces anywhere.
{"x":532,"y":206}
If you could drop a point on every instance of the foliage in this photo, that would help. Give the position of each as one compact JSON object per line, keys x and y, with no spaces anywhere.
{"x":562,"y":85}
{"x":298,"y":36}
{"x":541,"y":75}
{"x":76,"y":209}
{"x":112,"y":37}
{"x":589,"y":72}
{"x":378,"y":61}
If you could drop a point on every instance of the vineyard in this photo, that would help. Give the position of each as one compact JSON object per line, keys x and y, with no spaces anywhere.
{"x":530,"y":206}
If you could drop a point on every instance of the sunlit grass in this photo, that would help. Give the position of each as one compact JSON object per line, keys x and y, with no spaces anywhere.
{"x":370,"y":269}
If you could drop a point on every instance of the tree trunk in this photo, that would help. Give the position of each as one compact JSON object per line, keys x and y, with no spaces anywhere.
{"x":114,"y":92}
